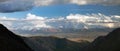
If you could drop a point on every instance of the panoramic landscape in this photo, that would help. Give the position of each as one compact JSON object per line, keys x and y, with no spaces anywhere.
{"x":59,"y":25}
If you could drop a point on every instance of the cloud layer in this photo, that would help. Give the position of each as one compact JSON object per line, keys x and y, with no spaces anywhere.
{"x":75,"y":21}
{"x":21,"y":5}
{"x":80,"y":2}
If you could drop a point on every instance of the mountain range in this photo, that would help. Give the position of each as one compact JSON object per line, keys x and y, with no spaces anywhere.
{"x":12,"y":42}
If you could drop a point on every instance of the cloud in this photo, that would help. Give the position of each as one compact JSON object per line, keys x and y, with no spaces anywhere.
{"x":43,"y":2}
{"x":22,"y":5}
{"x":36,"y":21}
{"x":102,"y":2}
{"x":34,"y":17}
{"x":15,"y":5}
{"x":3,"y":0}
{"x":8,"y":22}
{"x":79,"y":2}
{"x":6,"y":18}
{"x":93,"y":18}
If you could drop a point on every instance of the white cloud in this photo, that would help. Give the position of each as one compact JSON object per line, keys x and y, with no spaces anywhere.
{"x":6,"y":18}
{"x":34,"y":17}
{"x":37,"y":21}
{"x":116,"y":16}
{"x":95,"y":18}
{"x":72,"y":16}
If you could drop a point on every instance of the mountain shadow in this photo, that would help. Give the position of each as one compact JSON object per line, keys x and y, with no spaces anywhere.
{"x":110,"y":42}
{"x":51,"y":43}
{"x":11,"y":42}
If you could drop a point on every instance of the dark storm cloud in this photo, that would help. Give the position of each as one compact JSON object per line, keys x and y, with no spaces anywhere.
{"x":15,"y":5}
{"x":3,"y":0}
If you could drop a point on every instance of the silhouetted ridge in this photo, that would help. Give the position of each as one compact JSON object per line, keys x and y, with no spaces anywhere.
{"x":11,"y":42}
{"x":111,"y":42}
{"x":114,"y":34}
{"x":6,"y":33}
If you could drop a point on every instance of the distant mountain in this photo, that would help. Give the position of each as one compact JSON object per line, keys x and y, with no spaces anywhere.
{"x":11,"y":42}
{"x":50,"y":31}
{"x":65,"y":28}
{"x":110,"y":42}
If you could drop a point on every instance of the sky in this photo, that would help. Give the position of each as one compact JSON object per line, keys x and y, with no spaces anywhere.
{"x":64,"y":10}
{"x":34,"y":14}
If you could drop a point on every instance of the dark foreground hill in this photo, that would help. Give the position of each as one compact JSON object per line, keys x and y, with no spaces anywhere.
{"x":11,"y":42}
{"x":54,"y":44}
{"x":111,"y":42}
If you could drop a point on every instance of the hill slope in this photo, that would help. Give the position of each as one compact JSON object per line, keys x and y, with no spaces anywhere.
{"x":11,"y":42}
{"x":111,"y":42}
{"x":54,"y":44}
